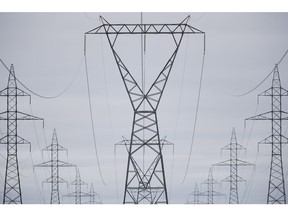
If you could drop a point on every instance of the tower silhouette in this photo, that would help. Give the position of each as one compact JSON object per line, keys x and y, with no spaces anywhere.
{"x":276,"y":185}
{"x":233,"y":147}
{"x":54,"y":163}
{"x":145,"y":184}
{"x":12,"y":187}
{"x":94,"y":197}
{"x":194,"y":197}
{"x":78,"y":194}
{"x":210,"y":193}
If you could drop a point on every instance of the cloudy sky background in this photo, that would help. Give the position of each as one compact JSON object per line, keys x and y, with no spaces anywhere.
{"x":47,"y":52}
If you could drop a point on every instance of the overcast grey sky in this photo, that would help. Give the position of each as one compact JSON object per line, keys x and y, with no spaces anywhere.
{"x":47,"y":50}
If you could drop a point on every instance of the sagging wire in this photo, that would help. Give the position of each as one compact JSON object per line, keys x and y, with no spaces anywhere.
{"x":91,"y":113}
{"x":143,"y":54}
{"x":178,"y":112}
{"x":196,"y":114}
{"x":49,"y":97}
{"x":253,"y":89}
{"x":251,"y":178}
{"x":109,"y":114}
{"x":2,"y":137}
{"x":116,"y":178}
{"x":2,"y":179}
{"x":38,"y":142}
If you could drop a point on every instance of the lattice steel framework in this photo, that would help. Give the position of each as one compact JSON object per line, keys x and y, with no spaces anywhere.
{"x":12,"y":187}
{"x":94,"y":197}
{"x":194,"y":197}
{"x":54,"y":164}
{"x":145,"y":184}
{"x":78,"y":194}
{"x":276,"y":185}
{"x":210,"y":193}
{"x":233,"y":147}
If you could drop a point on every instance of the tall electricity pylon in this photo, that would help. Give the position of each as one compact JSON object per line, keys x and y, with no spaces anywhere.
{"x":195,"y":195}
{"x":276,"y":185}
{"x":12,"y":186}
{"x":210,"y":193}
{"x":78,"y":194}
{"x":233,"y":163}
{"x":54,"y":164}
{"x":145,"y":184}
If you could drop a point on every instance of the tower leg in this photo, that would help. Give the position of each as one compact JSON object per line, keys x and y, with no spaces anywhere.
{"x":145,"y":184}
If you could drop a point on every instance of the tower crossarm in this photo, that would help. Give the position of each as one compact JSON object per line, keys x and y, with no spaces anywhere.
{"x":234,"y":147}
{"x":19,"y":116}
{"x":52,"y":148}
{"x":179,"y":28}
{"x":243,"y":163}
{"x":275,"y":139}
{"x":58,"y":162}
{"x":236,"y":162}
{"x":210,"y":181}
{"x":20,"y":140}
{"x":278,"y":115}
{"x":18,"y":92}
{"x":271,"y":92}
{"x":223,"y":163}
{"x":213,"y":193}
{"x":237,"y":179}
{"x":74,"y":194}
{"x":51,"y":180}
{"x":78,"y":182}
{"x":127,"y":142}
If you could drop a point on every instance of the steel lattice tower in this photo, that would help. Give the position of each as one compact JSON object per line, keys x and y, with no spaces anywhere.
{"x":93,"y":195}
{"x":233,"y":163}
{"x":196,"y":196}
{"x":78,"y":194}
{"x":145,"y":184}
{"x":54,"y":164}
{"x":12,"y":186}
{"x":276,"y":187}
{"x":210,"y":193}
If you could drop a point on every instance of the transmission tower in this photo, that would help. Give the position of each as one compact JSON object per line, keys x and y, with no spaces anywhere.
{"x":78,"y":194}
{"x":195,"y":195}
{"x":94,"y":197}
{"x":54,"y":164}
{"x":145,"y":184}
{"x":276,"y":186}
{"x":233,"y":163}
{"x":210,"y":193}
{"x":12,"y":186}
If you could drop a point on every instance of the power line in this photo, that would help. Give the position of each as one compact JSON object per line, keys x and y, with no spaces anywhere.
{"x":91,"y":118}
{"x":37,"y":182}
{"x":198,"y":18}
{"x":0,"y":152}
{"x":196,"y":117}
{"x":240,"y":95}
{"x":54,"y":96}
{"x":35,"y":177}
{"x":178,"y":112}
{"x":87,"y":16}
